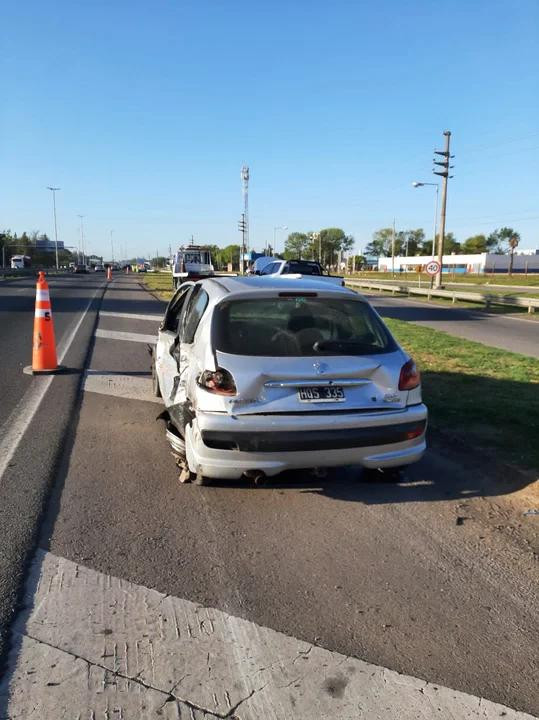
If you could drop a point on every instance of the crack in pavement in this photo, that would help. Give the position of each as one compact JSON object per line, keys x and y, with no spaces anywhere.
{"x":138,"y":681}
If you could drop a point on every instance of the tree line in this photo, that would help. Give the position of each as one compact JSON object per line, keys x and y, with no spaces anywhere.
{"x":414,"y":242}
{"x":328,"y":245}
{"x":27,"y":244}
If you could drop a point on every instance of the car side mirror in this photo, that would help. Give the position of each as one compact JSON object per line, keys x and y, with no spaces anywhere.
{"x":257,"y":272}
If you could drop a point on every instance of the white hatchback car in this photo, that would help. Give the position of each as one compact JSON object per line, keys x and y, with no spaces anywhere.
{"x":259,"y":378}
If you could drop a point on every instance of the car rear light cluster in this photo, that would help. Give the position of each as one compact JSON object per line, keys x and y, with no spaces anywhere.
{"x":218,"y":381}
{"x":410,"y":376}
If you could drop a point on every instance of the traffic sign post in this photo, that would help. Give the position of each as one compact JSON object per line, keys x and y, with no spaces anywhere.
{"x":433,"y":268}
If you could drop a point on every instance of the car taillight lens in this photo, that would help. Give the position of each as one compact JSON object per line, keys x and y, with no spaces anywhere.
{"x":218,"y":381}
{"x":410,"y":376}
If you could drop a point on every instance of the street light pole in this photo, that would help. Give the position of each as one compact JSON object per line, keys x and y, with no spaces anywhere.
{"x":393,"y":250}
{"x":112,"y":245}
{"x":53,"y":190}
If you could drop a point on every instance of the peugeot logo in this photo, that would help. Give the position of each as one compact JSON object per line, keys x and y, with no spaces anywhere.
{"x":320,"y":368}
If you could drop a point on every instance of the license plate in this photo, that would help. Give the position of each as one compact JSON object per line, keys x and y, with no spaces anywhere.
{"x":324,"y":393}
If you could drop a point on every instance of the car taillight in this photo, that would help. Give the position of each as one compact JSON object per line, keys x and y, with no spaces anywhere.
{"x":219,"y":382}
{"x":410,"y":376}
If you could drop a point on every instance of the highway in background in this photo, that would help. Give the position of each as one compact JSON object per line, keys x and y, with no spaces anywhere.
{"x":516,"y":333}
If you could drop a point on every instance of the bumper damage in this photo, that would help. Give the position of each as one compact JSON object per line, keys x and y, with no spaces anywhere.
{"x":221,"y":446}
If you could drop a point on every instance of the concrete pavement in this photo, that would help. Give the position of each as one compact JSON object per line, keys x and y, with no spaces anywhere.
{"x":147,"y":655}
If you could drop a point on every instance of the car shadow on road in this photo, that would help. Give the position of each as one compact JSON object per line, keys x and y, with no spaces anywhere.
{"x":435,"y":478}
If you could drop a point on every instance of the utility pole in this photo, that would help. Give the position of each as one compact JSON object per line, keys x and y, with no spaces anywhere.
{"x":53,"y":190}
{"x":112,"y":245}
{"x":444,"y":174}
{"x":393,"y":250}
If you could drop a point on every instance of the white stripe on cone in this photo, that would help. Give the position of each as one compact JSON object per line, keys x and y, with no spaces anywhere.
{"x":42,"y":295}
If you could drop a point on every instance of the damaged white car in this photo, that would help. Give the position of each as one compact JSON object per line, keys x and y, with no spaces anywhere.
{"x":258,"y":378}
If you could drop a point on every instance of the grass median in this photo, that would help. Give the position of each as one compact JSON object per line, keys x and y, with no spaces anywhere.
{"x":159,"y":283}
{"x":485,"y":397}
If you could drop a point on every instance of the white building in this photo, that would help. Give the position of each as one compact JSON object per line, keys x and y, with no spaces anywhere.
{"x":480,"y":263}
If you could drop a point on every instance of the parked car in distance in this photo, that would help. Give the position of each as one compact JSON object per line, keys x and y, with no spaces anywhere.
{"x":80,"y":268}
{"x":99,"y":268}
{"x":262,"y":377}
{"x":300,"y":267}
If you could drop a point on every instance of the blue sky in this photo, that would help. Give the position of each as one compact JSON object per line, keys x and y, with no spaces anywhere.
{"x":144,"y":112}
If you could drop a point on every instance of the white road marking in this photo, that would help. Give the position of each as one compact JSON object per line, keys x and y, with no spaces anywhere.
{"x":131,"y":316}
{"x":130,"y":387}
{"x":92,"y":641}
{"x":23,"y":413}
{"x":131,"y":337}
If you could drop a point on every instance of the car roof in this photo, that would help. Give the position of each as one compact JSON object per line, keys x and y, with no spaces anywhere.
{"x":226,"y":285}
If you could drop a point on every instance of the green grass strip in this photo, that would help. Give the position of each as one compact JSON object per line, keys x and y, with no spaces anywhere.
{"x":487,"y":397}
{"x":160,"y":283}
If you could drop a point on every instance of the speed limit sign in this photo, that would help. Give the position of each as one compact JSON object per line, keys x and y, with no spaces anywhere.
{"x":433,"y":268}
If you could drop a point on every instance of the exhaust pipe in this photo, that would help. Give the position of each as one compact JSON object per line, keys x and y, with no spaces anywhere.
{"x":257,"y":476}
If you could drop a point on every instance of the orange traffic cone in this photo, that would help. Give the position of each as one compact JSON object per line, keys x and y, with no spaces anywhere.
{"x":109,"y":273}
{"x":44,"y":358}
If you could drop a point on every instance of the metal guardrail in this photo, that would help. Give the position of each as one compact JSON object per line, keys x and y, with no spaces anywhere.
{"x":484,"y":298}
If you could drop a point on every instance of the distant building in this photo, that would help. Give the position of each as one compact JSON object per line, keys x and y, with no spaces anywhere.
{"x":479,"y":263}
{"x":527,"y":252}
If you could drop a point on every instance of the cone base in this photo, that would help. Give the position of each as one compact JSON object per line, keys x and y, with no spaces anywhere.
{"x":29,"y":370}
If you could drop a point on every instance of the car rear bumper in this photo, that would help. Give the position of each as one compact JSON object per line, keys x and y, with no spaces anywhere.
{"x":224,"y":446}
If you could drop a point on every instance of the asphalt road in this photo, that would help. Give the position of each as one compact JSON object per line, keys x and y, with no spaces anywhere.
{"x":36,"y":415}
{"x":435,"y":577}
{"x":69,"y":296}
{"x":515,"y":333}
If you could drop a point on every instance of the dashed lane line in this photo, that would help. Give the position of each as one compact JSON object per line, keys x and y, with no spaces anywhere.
{"x":129,"y":336}
{"x":90,"y":642}
{"x":23,"y":413}
{"x":131,"y":316}
{"x":128,"y":387}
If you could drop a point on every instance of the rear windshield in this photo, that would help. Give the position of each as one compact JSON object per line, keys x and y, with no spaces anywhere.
{"x":299,"y":327}
{"x":196,"y":257}
{"x":303,"y":268}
